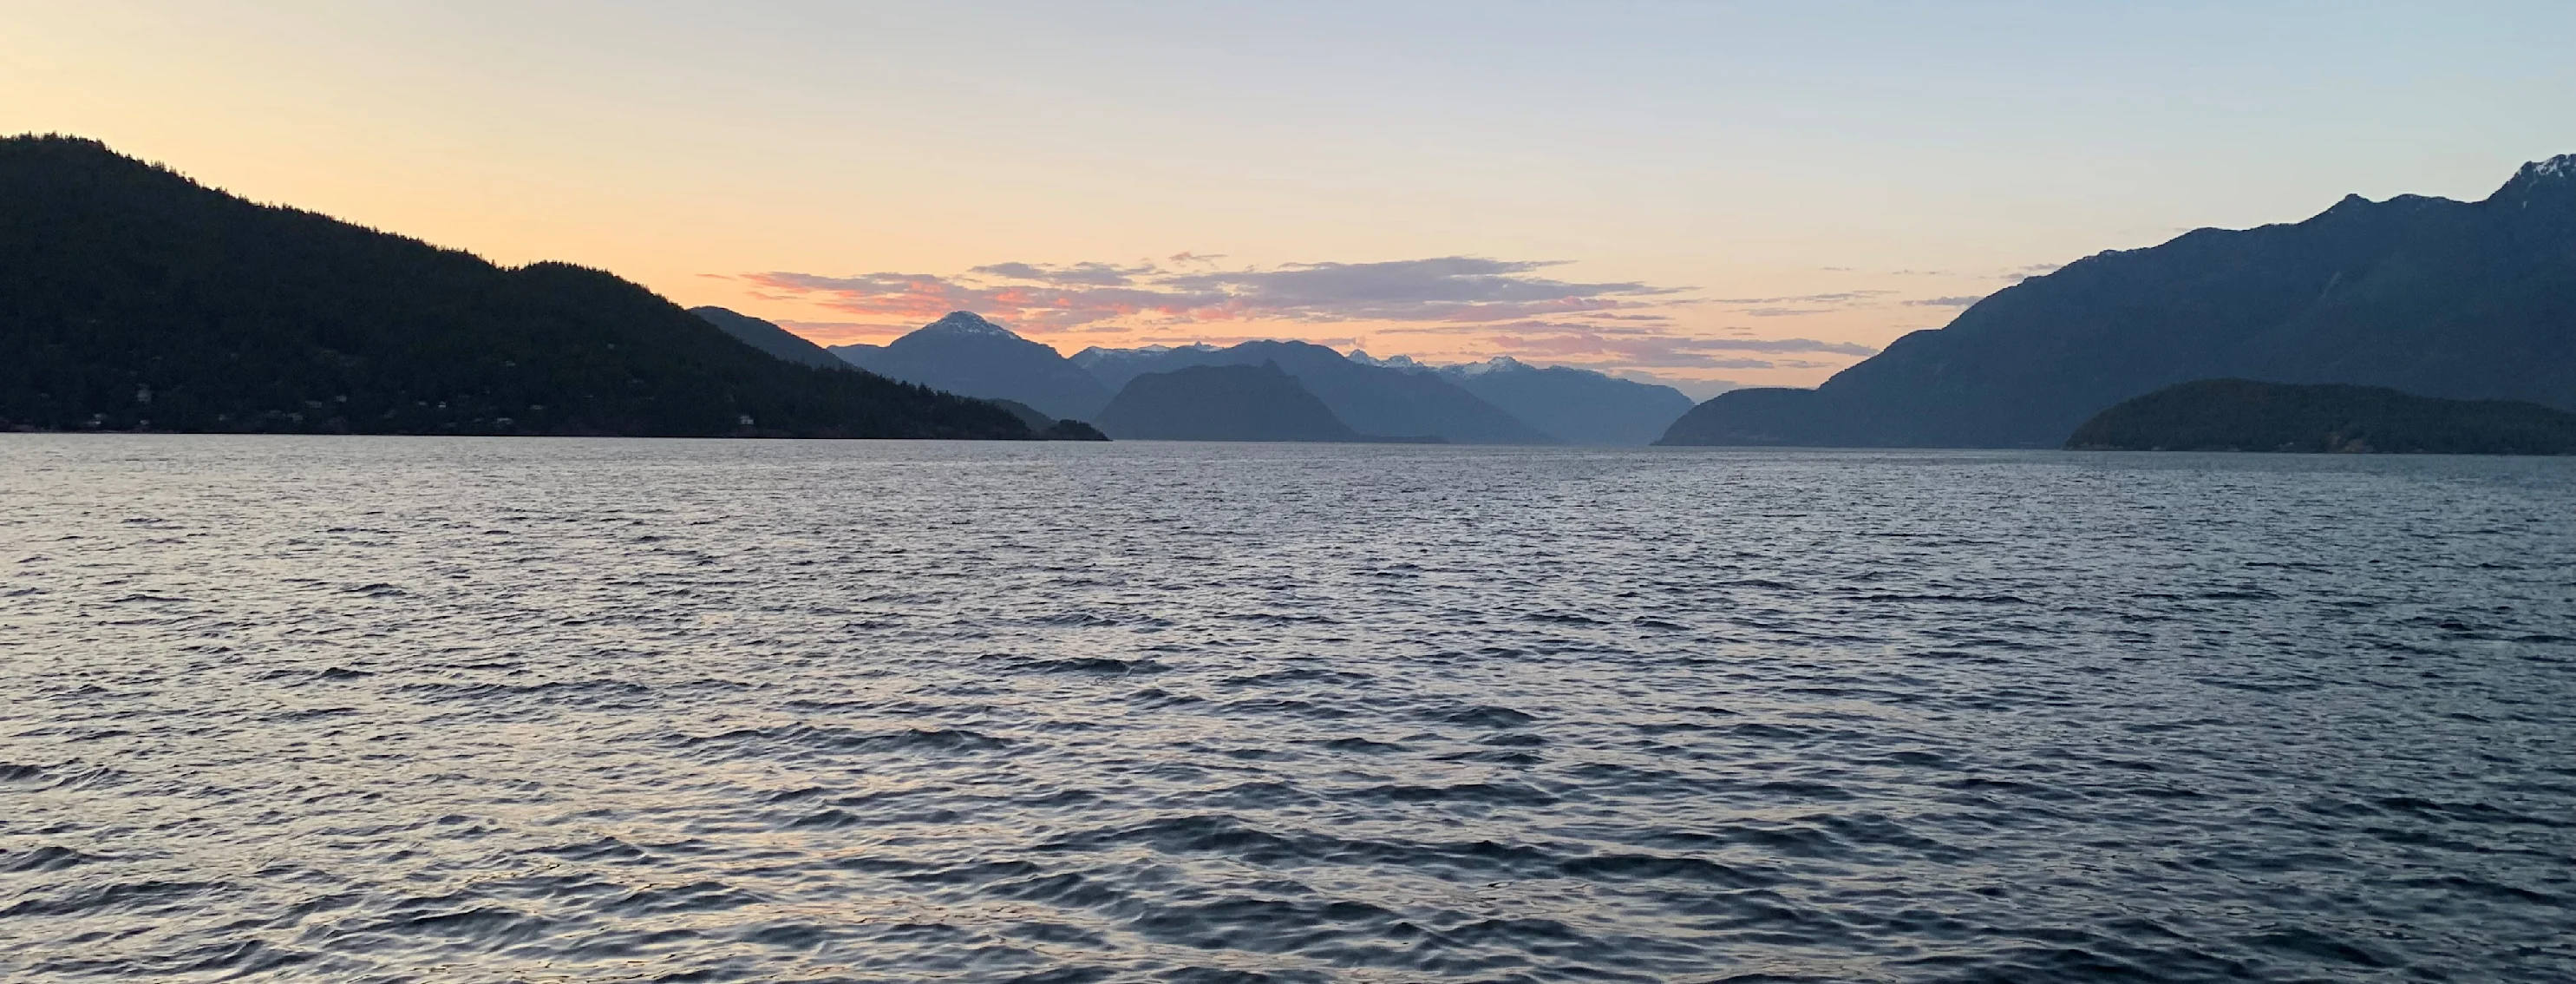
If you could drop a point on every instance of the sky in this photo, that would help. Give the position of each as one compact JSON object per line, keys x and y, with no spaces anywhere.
{"x":1706,"y":193}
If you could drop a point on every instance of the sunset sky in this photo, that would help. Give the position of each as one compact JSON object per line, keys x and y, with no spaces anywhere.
{"x":1756,"y":193}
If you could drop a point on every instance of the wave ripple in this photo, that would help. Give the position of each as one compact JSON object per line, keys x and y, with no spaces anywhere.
{"x":494,"y":710}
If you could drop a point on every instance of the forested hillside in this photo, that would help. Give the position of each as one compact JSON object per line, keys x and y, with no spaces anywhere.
{"x":132,"y":298}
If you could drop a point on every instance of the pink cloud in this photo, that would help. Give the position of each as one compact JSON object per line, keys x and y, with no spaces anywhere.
{"x":1062,"y":297}
{"x":1479,"y":306}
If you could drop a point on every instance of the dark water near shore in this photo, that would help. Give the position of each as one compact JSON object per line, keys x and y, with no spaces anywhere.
{"x":492,"y":710}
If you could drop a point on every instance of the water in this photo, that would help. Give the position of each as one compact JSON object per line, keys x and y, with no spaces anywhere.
{"x":489,"y":710}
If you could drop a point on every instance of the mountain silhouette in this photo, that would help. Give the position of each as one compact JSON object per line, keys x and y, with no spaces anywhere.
{"x":770,"y":338}
{"x":1221,"y":403}
{"x":967,"y":355}
{"x":1579,"y":406}
{"x":2464,"y":300}
{"x":134,"y":298}
{"x":1370,"y":399}
{"x":2241,"y":415}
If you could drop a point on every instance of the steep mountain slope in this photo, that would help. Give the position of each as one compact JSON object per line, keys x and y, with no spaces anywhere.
{"x":777,"y":341}
{"x":2471,"y":300}
{"x":1578,"y":405}
{"x":1373,"y":400}
{"x":133,"y":298}
{"x":967,"y":355}
{"x":1220,"y":403}
{"x":2241,"y":415}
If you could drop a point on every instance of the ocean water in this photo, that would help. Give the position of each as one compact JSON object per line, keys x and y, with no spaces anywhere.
{"x":365,"y":709}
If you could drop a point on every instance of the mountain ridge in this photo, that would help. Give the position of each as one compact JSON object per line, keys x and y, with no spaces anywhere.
{"x":2466,"y":300}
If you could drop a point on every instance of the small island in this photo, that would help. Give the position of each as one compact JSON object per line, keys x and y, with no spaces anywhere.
{"x":2244,"y":415}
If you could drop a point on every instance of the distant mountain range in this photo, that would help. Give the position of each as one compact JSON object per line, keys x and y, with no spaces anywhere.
{"x":2324,"y":418}
{"x":1578,"y":405}
{"x":1377,"y":401}
{"x":2466,"y":300}
{"x":132,"y":298}
{"x":1499,"y":402}
{"x":969,"y":356}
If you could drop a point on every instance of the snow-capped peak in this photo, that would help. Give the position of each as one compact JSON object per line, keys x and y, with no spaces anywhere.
{"x":1362,"y":357}
{"x":968,"y":323}
{"x":2551,"y":180}
{"x":1495,"y":364}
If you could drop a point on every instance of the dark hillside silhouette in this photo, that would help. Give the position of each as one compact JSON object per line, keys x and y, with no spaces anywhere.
{"x":2241,"y":415}
{"x":134,"y":298}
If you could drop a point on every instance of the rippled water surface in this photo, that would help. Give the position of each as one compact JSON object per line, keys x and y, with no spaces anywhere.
{"x":490,"y":710}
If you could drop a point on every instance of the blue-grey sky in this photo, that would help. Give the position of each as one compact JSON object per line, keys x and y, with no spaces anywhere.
{"x":1756,"y":192}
